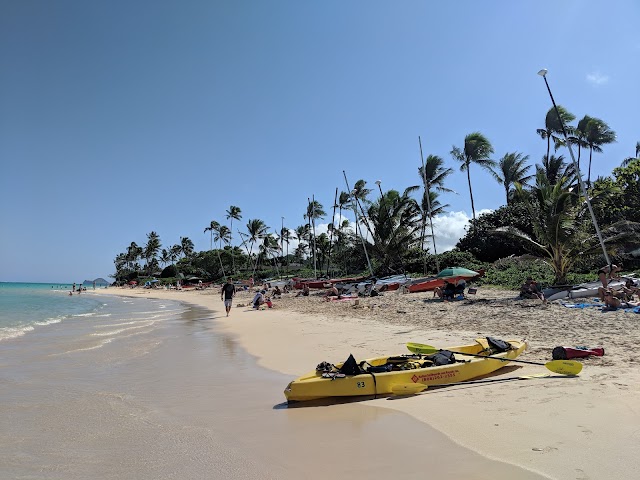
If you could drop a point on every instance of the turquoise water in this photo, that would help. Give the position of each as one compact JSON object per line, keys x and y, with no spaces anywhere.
{"x":27,"y":306}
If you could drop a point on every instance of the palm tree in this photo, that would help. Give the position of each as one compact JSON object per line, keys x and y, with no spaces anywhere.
{"x":285,"y":236}
{"x":553,"y":127}
{"x":186,"y":246}
{"x":213,"y":227}
{"x":476,"y":150}
{"x":396,"y":223}
{"x":628,"y":160}
{"x":133,"y":254}
{"x":257,"y":230}
{"x":433,"y":174}
{"x":562,"y":231}
{"x":557,"y":170}
{"x":579,"y":137}
{"x":165,"y":256}
{"x":174,"y":253}
{"x":234,"y":213}
{"x":598,"y":134}
{"x":151,"y":250}
{"x":315,"y":210}
{"x":512,"y":170}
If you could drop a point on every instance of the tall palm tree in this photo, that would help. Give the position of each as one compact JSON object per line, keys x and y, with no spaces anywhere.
{"x":186,"y":246}
{"x":223,"y":235}
{"x":579,"y":136}
{"x":433,"y":175}
{"x":233,"y":213}
{"x":257,"y":230}
{"x":512,"y":170}
{"x":315,"y":211}
{"x":213,"y":227}
{"x":285,"y":236}
{"x":151,"y":250}
{"x":165,"y":256}
{"x":598,"y":134}
{"x":553,"y":127}
{"x":174,"y":252}
{"x":477,"y":149}
{"x":133,"y":254}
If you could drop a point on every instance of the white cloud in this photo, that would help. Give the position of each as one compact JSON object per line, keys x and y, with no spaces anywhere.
{"x":448,"y":229}
{"x":596,"y":78}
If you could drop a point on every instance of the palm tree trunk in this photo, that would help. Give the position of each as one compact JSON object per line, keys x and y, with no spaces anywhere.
{"x":333,"y":219}
{"x":473,"y":208}
{"x":589,"y":171}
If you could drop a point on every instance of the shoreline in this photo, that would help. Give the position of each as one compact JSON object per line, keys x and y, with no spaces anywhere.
{"x":555,"y":423}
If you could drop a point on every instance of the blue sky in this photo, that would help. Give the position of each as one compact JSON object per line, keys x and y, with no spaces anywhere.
{"x":119,"y":118}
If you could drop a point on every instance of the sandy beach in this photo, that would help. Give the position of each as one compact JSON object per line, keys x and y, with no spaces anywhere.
{"x":556,"y":427}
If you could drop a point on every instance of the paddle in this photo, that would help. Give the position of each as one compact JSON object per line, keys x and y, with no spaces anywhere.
{"x":563,"y":367}
{"x":413,"y":388}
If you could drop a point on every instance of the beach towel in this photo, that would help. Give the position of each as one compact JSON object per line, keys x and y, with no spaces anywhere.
{"x":580,"y":305}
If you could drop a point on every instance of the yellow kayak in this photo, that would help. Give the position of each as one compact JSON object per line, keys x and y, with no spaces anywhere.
{"x":379,"y":376}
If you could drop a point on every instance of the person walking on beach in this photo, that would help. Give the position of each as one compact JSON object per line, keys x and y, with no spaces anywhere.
{"x":228,"y":291}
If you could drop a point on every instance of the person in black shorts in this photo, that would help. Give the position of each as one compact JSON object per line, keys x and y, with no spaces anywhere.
{"x":228,"y":291}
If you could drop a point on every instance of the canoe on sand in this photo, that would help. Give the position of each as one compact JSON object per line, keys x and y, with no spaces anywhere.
{"x":379,"y":376}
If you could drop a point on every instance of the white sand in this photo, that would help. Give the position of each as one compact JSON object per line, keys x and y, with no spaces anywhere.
{"x":561,"y":427}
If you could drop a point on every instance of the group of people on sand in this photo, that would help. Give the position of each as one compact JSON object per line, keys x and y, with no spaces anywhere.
{"x":451,"y":290}
{"x":620,"y":297}
{"x":530,"y":289}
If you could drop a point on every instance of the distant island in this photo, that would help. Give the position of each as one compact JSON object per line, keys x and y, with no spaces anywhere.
{"x":100,"y":282}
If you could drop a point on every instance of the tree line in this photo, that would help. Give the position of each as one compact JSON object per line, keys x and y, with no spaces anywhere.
{"x":544,"y":216}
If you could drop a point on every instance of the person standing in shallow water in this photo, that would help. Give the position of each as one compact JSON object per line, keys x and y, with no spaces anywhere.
{"x":227,"y":293}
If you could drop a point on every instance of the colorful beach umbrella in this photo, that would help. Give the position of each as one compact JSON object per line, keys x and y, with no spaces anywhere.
{"x":457,"y":272}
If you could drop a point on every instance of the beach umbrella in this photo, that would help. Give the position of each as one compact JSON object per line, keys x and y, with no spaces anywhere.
{"x":457,"y":272}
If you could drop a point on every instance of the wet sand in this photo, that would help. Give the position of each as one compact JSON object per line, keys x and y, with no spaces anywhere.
{"x":172,"y":392}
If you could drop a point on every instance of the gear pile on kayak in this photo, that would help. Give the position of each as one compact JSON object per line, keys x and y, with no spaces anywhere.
{"x":390,"y":374}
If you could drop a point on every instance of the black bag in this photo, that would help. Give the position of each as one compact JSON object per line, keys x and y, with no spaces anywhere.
{"x":350,"y":367}
{"x":443,"y":357}
{"x":499,"y":345}
{"x":387,"y":367}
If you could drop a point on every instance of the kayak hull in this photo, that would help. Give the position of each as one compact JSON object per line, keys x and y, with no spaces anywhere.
{"x":313,"y":385}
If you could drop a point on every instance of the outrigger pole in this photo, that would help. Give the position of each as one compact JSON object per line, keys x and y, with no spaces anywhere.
{"x":543,"y":74}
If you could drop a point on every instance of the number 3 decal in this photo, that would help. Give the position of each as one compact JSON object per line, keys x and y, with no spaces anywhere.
{"x":360,"y":384}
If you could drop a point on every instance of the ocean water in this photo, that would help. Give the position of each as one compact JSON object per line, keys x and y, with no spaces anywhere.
{"x":27,"y":306}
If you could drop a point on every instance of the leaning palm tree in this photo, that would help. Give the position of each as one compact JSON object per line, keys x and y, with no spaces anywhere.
{"x":598,"y":134}
{"x":234,"y":213}
{"x":511,"y":170}
{"x":476,"y":150}
{"x":553,"y":127}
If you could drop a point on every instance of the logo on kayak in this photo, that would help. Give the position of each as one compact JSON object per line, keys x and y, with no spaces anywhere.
{"x":429,"y":377}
